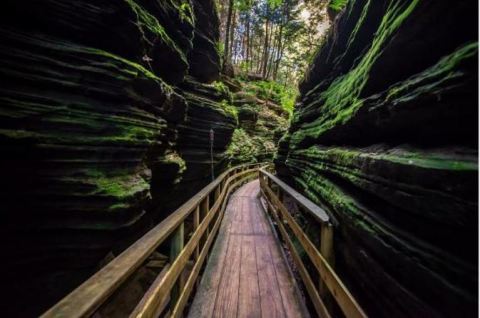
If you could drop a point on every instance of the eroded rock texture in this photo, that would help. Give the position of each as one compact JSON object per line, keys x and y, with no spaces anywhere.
{"x":384,"y":138}
{"x":93,"y":102}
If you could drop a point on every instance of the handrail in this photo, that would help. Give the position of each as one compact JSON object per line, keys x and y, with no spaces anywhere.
{"x":321,"y":257}
{"x":317,"y":212}
{"x":89,"y":296}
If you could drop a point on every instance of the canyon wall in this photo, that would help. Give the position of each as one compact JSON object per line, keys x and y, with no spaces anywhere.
{"x":105,"y":109}
{"x":384,"y":138}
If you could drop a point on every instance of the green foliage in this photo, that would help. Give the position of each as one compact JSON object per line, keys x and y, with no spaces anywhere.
{"x":241,"y":148}
{"x":283,"y":95}
{"x":337,"y":5}
{"x":220,"y":86}
{"x":246,"y":148}
{"x":229,"y":109}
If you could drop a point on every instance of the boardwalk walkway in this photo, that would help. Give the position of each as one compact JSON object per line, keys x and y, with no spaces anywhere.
{"x":246,"y":275}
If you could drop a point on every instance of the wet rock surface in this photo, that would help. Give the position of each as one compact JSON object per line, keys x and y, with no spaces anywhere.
{"x":385,"y":139}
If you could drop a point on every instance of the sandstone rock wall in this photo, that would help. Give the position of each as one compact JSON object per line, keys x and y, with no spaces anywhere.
{"x":94,"y":107}
{"x":385,"y":139}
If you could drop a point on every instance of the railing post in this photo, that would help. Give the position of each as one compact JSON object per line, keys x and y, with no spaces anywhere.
{"x":196,"y":223}
{"x":326,"y":249}
{"x":217,"y":194}
{"x":204,"y":208}
{"x":176,"y":247}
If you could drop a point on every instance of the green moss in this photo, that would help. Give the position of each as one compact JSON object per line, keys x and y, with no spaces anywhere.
{"x":146,"y":21}
{"x":223,"y":89}
{"x":335,"y":199}
{"x":118,"y":207}
{"x":337,"y":5}
{"x":342,"y":98}
{"x":229,"y":109}
{"x":360,"y":21}
{"x":353,"y":159}
{"x":122,"y":186}
{"x":186,"y":12}
{"x":134,"y":70}
{"x":440,"y":72}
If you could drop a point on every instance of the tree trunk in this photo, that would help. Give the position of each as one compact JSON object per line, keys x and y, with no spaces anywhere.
{"x":265,"y":50}
{"x":271,"y":49}
{"x":226,"y":55}
{"x":232,"y":31}
{"x":247,"y":44}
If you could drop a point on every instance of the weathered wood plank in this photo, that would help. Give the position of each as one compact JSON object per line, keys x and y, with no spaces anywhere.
{"x":249,"y":294}
{"x":150,"y":293}
{"x":178,"y":309}
{"x":309,"y":206}
{"x":343,"y":297}
{"x":178,"y":265}
{"x":270,"y":295}
{"x":226,"y":303}
{"x":286,"y":282}
{"x":250,"y":239}
{"x":309,"y":285}
{"x":176,"y":246}
{"x":203,"y":305}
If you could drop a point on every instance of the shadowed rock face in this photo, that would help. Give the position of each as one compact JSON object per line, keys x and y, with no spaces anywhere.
{"x":204,"y":59}
{"x":385,"y":139}
{"x":91,"y":111}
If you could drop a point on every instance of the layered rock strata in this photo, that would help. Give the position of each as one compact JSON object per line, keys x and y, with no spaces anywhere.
{"x":385,"y":139}
{"x":93,"y":102}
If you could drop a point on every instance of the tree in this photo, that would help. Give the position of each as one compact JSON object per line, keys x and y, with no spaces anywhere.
{"x":226,"y":55}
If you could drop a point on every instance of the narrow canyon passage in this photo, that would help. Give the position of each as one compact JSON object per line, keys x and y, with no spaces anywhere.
{"x":125,"y":125}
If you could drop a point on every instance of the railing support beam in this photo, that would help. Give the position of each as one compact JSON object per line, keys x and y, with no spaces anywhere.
{"x":176,"y":246}
{"x":326,"y":249}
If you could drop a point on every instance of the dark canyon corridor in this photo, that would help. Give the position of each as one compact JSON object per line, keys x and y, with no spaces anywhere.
{"x":239,"y":158}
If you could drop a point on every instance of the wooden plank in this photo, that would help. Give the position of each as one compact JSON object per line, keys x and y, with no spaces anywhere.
{"x":270,"y":295}
{"x":165,"y":286}
{"x":249,"y":293}
{"x":176,"y":246}
{"x":226,"y":303}
{"x":161,"y":307}
{"x":204,"y":208}
{"x":248,"y":225}
{"x":343,"y":297}
{"x":178,"y":310}
{"x":309,"y":206}
{"x":311,"y":289}
{"x":204,"y":301}
{"x":326,"y":249}
{"x":179,"y":307}
{"x":196,"y":222}
{"x":286,"y":282}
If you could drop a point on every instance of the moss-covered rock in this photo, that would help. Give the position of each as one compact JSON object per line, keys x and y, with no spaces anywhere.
{"x":385,"y":139}
{"x":90,"y":116}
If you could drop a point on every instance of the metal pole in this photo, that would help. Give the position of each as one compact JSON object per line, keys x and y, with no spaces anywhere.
{"x":212,"y":135}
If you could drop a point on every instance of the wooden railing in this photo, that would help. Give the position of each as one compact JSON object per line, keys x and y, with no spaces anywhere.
{"x":321,"y":256}
{"x":171,"y":289}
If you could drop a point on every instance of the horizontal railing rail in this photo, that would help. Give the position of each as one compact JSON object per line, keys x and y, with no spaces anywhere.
{"x":171,"y":290}
{"x":322,"y":257}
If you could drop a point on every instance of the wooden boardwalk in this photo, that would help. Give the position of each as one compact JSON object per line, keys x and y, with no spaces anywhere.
{"x":246,"y":275}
